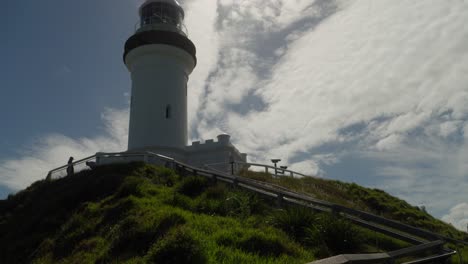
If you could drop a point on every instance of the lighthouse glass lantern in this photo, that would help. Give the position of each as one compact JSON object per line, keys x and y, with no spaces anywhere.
{"x":162,"y":14}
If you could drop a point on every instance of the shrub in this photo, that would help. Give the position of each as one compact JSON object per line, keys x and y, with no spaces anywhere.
{"x":169,"y":221}
{"x":264,"y":245}
{"x":210,"y":206}
{"x":181,"y":201}
{"x":76,"y":229}
{"x":178,"y":246}
{"x":119,"y":210}
{"x":130,"y":238}
{"x":164,"y":176}
{"x":131,"y":186}
{"x":237,"y":205}
{"x":216,"y":192}
{"x":263,"y":242}
{"x":192,"y":186}
{"x":243,"y":205}
{"x":336,"y":233}
{"x":294,"y":221}
{"x":136,"y":234}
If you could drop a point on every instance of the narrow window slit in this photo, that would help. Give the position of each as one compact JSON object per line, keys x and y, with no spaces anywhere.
{"x":168,"y":111}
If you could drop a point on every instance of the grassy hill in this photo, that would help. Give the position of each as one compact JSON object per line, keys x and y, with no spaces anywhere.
{"x":139,"y":213}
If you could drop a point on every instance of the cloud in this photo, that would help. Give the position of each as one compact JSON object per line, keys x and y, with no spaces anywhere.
{"x":376,"y":81}
{"x":458,"y":216}
{"x":53,"y":151}
{"x":200,"y":20}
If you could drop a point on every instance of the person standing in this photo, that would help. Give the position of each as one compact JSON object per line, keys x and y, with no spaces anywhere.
{"x":70,"y":169}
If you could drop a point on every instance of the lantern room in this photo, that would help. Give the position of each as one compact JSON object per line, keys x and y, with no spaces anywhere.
{"x":166,"y":13}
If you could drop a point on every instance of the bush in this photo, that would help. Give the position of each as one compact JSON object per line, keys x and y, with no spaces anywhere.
{"x":294,"y":221}
{"x":336,"y":233}
{"x":169,"y":221}
{"x":181,"y":201}
{"x":243,"y":205}
{"x":192,"y":186}
{"x":135,"y":234}
{"x":216,"y":192}
{"x":178,"y":246}
{"x":210,"y":206}
{"x":263,"y":242}
{"x":264,"y":245}
{"x":237,"y":205}
{"x":130,"y":238}
{"x":130,"y":186}
{"x":165,"y":176}
{"x":75,"y":230}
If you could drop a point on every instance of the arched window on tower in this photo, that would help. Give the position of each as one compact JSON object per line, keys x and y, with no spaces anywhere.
{"x":168,"y":112}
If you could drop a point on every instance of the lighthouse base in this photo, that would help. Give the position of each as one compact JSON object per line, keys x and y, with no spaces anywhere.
{"x":219,"y":155}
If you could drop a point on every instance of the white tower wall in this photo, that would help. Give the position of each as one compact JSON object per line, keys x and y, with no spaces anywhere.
{"x":158,"y":112}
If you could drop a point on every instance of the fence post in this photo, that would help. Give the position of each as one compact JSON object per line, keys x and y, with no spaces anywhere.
{"x":279,"y":199}
{"x":266,"y":169}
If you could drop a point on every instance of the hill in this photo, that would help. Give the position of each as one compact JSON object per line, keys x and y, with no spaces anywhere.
{"x":139,"y":213}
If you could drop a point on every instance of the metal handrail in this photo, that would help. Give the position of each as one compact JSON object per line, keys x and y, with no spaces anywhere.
{"x":292,"y":173}
{"x":391,"y":256}
{"x":283,"y":171}
{"x":74,"y":163}
{"x":431,"y":259}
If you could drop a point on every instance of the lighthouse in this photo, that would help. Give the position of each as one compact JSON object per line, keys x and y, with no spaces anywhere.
{"x":160,"y":58}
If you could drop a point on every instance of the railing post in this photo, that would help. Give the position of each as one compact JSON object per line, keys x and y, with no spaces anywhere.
{"x":214,"y":178}
{"x":232,"y":168}
{"x":335,"y":211}
{"x":266,"y":169}
{"x":279,"y":199}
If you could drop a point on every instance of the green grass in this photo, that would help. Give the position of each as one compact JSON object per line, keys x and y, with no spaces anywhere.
{"x":145,"y":214}
{"x":139,"y":213}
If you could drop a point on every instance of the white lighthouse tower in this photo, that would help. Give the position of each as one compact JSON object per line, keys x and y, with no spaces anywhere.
{"x":160,"y":57}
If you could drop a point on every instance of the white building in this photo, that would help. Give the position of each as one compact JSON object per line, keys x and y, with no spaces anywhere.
{"x":160,"y":57}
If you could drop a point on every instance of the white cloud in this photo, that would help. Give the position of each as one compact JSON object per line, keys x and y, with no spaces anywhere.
{"x":386,"y":66}
{"x":307,"y":167}
{"x":458,"y":216}
{"x":200,"y":18}
{"x":53,"y":151}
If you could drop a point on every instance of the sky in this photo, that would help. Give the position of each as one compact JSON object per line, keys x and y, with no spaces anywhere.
{"x":365,"y":91}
